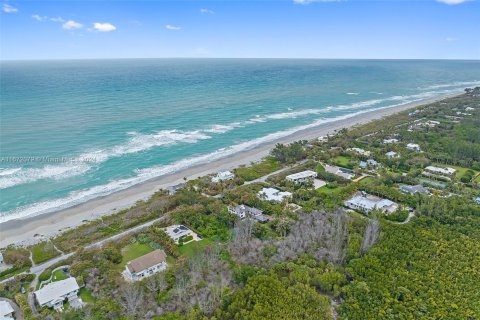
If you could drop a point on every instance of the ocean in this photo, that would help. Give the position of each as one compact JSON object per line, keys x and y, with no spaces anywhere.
{"x":71,"y":131}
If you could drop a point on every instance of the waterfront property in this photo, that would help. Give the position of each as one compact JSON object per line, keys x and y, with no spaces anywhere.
{"x":243,"y":211}
{"x":146,"y":265}
{"x":413,"y":189}
{"x":413,"y":147}
{"x":390,"y":141}
{"x":341,"y":172}
{"x":6,"y":310}
{"x":55,"y":293}
{"x":178,"y":231}
{"x":365,"y":202}
{"x":442,"y":171}
{"x":392,"y":155}
{"x":302,"y":177}
{"x":360,"y":151}
{"x":272,"y":194}
{"x":223,"y":176}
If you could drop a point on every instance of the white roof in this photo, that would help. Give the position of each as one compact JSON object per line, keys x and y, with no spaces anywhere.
{"x":302,"y":175}
{"x":5,"y":308}
{"x":441,"y":170}
{"x":369,"y":203}
{"x":390,"y":140}
{"x":56,"y":290}
{"x":272,"y":194}
{"x":391,"y":154}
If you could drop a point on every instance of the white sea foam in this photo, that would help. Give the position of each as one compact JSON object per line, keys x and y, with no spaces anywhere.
{"x":453,"y":84}
{"x":353,"y":93}
{"x":143,"y":175}
{"x":8,"y":171}
{"x":78,"y":166}
{"x":139,"y":142}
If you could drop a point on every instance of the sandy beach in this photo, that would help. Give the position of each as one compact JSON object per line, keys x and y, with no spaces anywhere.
{"x":34,"y":229}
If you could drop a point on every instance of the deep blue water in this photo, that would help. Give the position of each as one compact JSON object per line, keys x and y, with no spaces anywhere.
{"x":121,"y":122}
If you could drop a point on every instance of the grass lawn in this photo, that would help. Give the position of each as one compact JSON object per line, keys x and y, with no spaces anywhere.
{"x":43,"y":251}
{"x":366,"y":181}
{"x":333,"y":191}
{"x":460,"y":170}
{"x":86,"y":295}
{"x":59,"y":275}
{"x":194,"y":246}
{"x":342,"y":161}
{"x":133,"y":251}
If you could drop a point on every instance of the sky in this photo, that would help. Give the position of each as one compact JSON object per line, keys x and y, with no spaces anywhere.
{"x":347,"y":29}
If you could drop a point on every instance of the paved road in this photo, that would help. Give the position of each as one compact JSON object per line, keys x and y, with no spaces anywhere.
{"x":264,"y":178}
{"x":38,"y":269}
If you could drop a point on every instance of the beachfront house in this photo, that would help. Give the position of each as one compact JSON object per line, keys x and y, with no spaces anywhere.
{"x":413,"y":189}
{"x":302,"y":177}
{"x":339,"y":171}
{"x":414,"y":147}
{"x":360,"y":151}
{"x":365,"y":202}
{"x":178,"y":231}
{"x":6,"y":310}
{"x":223,"y":176}
{"x":272,"y":194}
{"x":54,"y":294}
{"x":242,"y":211}
{"x":392,"y":155}
{"x":442,"y":171}
{"x":390,"y":141}
{"x":1,"y":259}
{"x":146,"y":265}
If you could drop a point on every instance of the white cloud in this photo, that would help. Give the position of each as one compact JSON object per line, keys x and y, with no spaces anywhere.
{"x":206,"y":11}
{"x":449,"y":39}
{"x":8,"y":8}
{"x":71,"y":25}
{"x":104,"y":27}
{"x":170,"y":27}
{"x":57,"y":19}
{"x":310,"y":1}
{"x":38,"y":17}
{"x":452,"y":1}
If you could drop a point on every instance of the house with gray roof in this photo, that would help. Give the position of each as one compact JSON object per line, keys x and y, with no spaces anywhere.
{"x":243,"y":211}
{"x":413,"y":189}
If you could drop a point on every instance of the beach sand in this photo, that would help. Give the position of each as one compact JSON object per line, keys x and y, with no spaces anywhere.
{"x":31,"y":230}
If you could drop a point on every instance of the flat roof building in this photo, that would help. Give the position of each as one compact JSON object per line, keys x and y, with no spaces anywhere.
{"x":302,"y":177}
{"x":178,"y":231}
{"x":272,"y":194}
{"x":366,"y":202}
{"x":444,"y":171}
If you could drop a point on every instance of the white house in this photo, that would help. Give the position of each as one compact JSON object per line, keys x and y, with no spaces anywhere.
{"x":413,"y":147}
{"x":1,"y":259}
{"x":223,"y":176}
{"x":341,"y":172}
{"x":55,"y":293}
{"x":146,"y":265}
{"x":272,"y":194}
{"x":360,"y":151}
{"x":243,"y":211}
{"x":443,"y":171}
{"x":366,"y":202}
{"x":431,"y":123}
{"x":302,"y":177}
{"x":178,"y":231}
{"x":392,"y":154}
{"x":390,"y":141}
{"x":6,"y":311}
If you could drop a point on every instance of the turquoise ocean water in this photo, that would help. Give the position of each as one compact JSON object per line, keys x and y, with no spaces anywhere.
{"x":71,"y":131}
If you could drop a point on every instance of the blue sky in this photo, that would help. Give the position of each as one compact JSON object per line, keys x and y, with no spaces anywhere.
{"x":426,"y":29}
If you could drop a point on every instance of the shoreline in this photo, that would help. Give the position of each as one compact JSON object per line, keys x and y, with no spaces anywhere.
{"x":34,"y":229}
